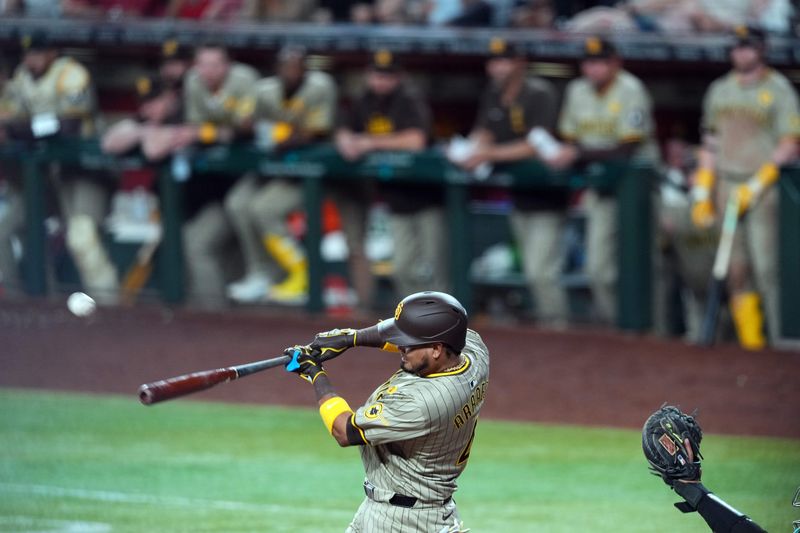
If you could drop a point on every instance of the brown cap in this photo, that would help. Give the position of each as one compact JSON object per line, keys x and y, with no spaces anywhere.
{"x":598,"y":48}
{"x":384,"y":61}
{"x":172,"y":49}
{"x":499,"y":47}
{"x":750,"y":36}
{"x":425,"y":318}
{"x":35,"y":40}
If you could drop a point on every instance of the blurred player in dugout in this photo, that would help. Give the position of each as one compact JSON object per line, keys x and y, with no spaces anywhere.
{"x":52,"y":95}
{"x":607,"y":114}
{"x":392,"y":115}
{"x":292,"y":108}
{"x":160,"y":108}
{"x":751,"y":126}
{"x":216,"y":93}
{"x":512,"y":106}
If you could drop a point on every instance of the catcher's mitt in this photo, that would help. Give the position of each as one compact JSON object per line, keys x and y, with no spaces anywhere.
{"x":663,"y":437}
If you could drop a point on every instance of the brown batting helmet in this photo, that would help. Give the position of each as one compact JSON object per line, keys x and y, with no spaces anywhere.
{"x":425,"y":318}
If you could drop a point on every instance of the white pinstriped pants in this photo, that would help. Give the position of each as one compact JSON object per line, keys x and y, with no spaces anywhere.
{"x":382,"y":517}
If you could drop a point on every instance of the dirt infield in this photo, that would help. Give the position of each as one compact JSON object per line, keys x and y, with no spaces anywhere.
{"x":594,"y":378}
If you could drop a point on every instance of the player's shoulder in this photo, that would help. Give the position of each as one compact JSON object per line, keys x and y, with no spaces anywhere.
{"x":320,"y":80}
{"x":628,"y":82}
{"x":780,"y":82}
{"x":269,"y":86}
{"x":578,"y":85}
{"x":242,"y":73}
{"x":538,"y":84}
{"x":70,"y":75}
{"x":723,"y":83}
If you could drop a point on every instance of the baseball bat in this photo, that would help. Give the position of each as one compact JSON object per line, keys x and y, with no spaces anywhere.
{"x":167,"y":389}
{"x":719,"y":273}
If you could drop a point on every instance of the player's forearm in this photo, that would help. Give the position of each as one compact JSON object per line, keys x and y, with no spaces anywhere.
{"x":512,"y":151}
{"x":333,"y":409}
{"x":371,"y":338}
{"x":621,"y":151}
{"x":785,"y":152}
{"x":411,"y":140}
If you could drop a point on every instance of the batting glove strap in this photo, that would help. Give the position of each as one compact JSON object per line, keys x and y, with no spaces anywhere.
{"x":304,"y":364}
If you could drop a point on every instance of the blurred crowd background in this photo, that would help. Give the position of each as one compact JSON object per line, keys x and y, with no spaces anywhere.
{"x":667,"y":16}
{"x":548,"y":254}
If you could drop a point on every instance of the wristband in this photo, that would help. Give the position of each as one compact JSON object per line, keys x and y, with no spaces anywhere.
{"x":767,"y":174}
{"x":331,"y":409}
{"x":704,"y":178}
{"x":691,"y":492}
{"x":208,"y":133}
{"x":281,"y":131}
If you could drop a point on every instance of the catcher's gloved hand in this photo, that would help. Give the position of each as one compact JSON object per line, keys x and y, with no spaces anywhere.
{"x":304,"y":363}
{"x":333,"y":343}
{"x":664,"y":442}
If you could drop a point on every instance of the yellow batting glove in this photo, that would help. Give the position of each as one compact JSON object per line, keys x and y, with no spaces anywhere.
{"x":703,"y":215}
{"x":749,"y":192}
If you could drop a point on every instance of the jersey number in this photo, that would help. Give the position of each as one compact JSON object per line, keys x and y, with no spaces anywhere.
{"x":465,"y":453}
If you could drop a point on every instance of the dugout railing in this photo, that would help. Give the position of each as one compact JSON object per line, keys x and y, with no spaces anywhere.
{"x":313,"y":165}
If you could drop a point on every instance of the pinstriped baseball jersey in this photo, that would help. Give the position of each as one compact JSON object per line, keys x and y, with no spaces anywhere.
{"x":750,"y":120}
{"x":65,"y":90}
{"x":621,"y":113}
{"x":222,"y":108}
{"x":418,"y":430}
{"x":312,"y":106}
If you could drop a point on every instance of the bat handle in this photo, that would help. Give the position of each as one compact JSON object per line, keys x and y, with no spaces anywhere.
{"x":158,"y":391}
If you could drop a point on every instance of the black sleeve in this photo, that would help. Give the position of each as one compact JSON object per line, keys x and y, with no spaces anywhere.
{"x":355,"y":437}
{"x":545,"y":105}
{"x":720,"y":517}
{"x":414,"y":113}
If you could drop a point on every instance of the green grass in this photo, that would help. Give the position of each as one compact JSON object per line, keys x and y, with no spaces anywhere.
{"x":98,"y":463}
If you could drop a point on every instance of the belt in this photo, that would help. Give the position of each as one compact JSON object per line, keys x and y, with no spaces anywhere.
{"x":398,"y":500}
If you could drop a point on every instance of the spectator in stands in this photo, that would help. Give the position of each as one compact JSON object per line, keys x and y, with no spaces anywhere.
{"x":280,"y":10}
{"x":392,"y":115}
{"x":474,"y":13}
{"x":534,"y":14}
{"x":50,"y":96}
{"x":160,"y":108}
{"x":292,"y":108}
{"x":217,"y":92}
{"x":113,"y":9}
{"x":205,"y":9}
{"x":606,"y":115}
{"x":514,"y":105}
{"x":683,"y":16}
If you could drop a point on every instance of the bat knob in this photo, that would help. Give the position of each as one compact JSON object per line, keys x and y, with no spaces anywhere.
{"x":146,"y":395}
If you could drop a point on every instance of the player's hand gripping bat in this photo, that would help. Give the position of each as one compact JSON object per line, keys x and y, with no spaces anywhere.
{"x":167,"y":389}
{"x":719,"y":274}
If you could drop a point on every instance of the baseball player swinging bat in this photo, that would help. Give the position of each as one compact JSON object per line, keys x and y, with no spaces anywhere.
{"x":719,"y":273}
{"x":167,"y":389}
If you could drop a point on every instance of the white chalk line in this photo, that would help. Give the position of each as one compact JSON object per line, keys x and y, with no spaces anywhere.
{"x":53,"y":526}
{"x":167,"y":501}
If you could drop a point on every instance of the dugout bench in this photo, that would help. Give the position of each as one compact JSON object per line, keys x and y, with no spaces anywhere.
{"x":632,"y":183}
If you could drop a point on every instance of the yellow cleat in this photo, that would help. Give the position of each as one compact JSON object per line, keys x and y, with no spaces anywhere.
{"x":294,"y":288}
{"x":749,"y":322}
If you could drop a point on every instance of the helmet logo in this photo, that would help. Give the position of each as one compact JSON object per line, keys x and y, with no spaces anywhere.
{"x":398,"y":310}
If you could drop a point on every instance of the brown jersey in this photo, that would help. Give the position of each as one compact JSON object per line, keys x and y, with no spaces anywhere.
{"x":536,"y":105}
{"x":403,"y":109}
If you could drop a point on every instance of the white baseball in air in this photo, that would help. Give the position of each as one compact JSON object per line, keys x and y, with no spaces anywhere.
{"x":81,"y":304}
